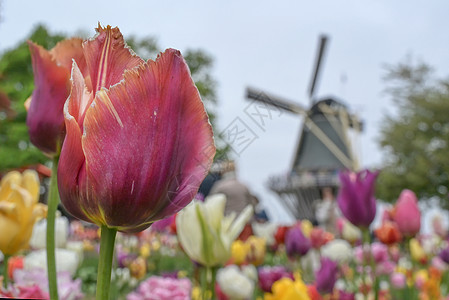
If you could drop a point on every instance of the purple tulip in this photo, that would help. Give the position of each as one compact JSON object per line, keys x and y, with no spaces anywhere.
{"x":326,"y":276}
{"x":269,"y":275}
{"x":344,"y":295}
{"x":356,"y":197}
{"x":444,"y":255}
{"x":296,"y":243}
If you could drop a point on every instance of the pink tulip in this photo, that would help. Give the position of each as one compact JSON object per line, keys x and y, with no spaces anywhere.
{"x":45,"y":118}
{"x":406,"y":214}
{"x":138,"y":141}
{"x":398,"y":280}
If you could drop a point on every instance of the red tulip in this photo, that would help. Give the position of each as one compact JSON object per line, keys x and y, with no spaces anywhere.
{"x":388,"y":233}
{"x":279,"y":236}
{"x":139,"y":144}
{"x":51,"y":69}
{"x":406,"y":214}
{"x":320,"y":237}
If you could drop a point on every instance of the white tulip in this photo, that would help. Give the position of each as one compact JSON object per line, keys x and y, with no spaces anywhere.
{"x":338,"y":250}
{"x":234,"y":284}
{"x":38,"y":237}
{"x":205,"y":233}
{"x":66,"y":260}
{"x":350,"y":232}
{"x":266,"y":230}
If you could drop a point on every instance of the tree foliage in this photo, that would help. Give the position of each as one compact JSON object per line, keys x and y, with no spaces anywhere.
{"x":416,"y":137}
{"x":16,"y":83}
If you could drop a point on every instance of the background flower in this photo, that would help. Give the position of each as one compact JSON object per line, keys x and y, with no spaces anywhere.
{"x":234,"y":284}
{"x":157,"y":287}
{"x":356,"y":197}
{"x":19,"y":209}
{"x":326,"y":276}
{"x":206,"y":234}
{"x":406,"y":214}
{"x":45,"y":117}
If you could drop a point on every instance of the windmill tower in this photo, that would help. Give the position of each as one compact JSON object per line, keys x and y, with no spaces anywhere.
{"x":324,"y":145}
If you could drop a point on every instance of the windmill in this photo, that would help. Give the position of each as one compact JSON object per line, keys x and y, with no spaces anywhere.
{"x":324,"y":145}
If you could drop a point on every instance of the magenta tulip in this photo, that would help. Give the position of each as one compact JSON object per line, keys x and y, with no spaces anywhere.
{"x":356,"y":197}
{"x":406,"y":214}
{"x":326,"y":276}
{"x":296,"y":244}
{"x":138,"y":140}
{"x":269,"y":275}
{"x":45,"y":118}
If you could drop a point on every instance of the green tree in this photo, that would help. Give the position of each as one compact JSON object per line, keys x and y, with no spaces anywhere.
{"x":16,"y":82}
{"x":416,"y":137}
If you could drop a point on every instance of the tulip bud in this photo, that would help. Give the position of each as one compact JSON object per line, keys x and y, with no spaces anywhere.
{"x":356,"y":197}
{"x":406,"y":214}
{"x":45,"y":118}
{"x":296,"y":244}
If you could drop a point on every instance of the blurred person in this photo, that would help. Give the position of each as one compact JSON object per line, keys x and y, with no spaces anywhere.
{"x":327,"y":211}
{"x":237,"y":194}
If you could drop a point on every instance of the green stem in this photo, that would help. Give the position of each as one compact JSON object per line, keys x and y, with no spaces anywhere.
{"x":105,"y":264}
{"x":213,"y":278}
{"x":366,"y":239}
{"x":52,"y":202}
{"x":5,"y":270}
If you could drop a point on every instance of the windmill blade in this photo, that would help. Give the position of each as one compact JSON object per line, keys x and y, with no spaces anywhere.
{"x":276,"y":101}
{"x":316,"y":70}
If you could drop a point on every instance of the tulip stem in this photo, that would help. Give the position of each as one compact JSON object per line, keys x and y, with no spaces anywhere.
{"x":5,"y":270}
{"x":107,"y":242}
{"x":52,"y":202}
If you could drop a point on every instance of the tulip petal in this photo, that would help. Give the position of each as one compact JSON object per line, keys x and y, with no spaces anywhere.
{"x":189,"y":231}
{"x":71,"y":167}
{"x":238,"y":225}
{"x":30,"y":182}
{"x":108,"y":57}
{"x":51,"y":90}
{"x":215,"y":207}
{"x":68,"y":50}
{"x":148,"y":138}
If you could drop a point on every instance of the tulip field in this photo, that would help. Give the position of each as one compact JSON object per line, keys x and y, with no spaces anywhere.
{"x":193,"y":255}
{"x":130,"y":143}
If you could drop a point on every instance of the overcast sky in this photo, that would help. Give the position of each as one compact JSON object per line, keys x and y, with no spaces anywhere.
{"x":269,"y":45}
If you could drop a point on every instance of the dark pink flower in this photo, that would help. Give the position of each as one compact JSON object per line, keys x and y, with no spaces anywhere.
{"x":138,"y":143}
{"x":269,"y":275}
{"x":45,"y":118}
{"x":356,"y":197}
{"x":326,"y":276}
{"x":296,"y":244}
{"x":444,"y":255}
{"x":406,"y":214}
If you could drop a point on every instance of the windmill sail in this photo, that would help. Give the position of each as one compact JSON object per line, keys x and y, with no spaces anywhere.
{"x":323,"y":147}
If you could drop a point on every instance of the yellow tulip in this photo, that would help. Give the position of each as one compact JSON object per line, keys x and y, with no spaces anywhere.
{"x":19,"y":210}
{"x":306,"y":227}
{"x":417,"y":251}
{"x":287,"y":289}
{"x":239,"y":252}
{"x":145,"y":250}
{"x":257,"y":250}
